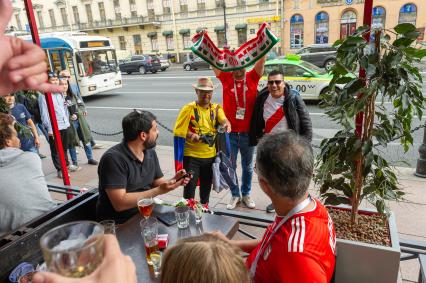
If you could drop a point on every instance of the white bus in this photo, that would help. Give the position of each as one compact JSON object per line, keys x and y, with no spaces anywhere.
{"x":91,"y":60}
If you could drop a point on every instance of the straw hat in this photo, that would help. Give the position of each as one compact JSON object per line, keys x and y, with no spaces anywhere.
{"x":204,"y":83}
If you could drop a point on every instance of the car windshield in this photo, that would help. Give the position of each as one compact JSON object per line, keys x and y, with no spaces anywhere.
{"x":313,"y":68}
{"x":96,"y":62}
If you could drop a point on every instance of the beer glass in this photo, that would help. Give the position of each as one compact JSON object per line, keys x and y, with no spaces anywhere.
{"x":156,"y":262}
{"x":74,"y":249}
{"x":145,"y":206}
{"x":149,"y":234}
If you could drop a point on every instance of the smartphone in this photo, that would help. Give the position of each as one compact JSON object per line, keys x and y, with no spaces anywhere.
{"x":189,"y":173}
{"x":167,"y":218}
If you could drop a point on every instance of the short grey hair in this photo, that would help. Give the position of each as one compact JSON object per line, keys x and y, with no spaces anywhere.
{"x":285,"y":161}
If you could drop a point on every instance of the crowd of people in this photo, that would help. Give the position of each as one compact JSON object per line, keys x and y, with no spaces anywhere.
{"x":299,"y":246}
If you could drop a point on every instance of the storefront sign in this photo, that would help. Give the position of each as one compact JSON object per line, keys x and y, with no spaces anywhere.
{"x":260,"y":20}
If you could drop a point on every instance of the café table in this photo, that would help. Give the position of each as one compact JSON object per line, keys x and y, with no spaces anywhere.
{"x":131,"y":242}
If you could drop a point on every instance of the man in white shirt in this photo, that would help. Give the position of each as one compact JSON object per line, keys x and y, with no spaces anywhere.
{"x":279,"y":108}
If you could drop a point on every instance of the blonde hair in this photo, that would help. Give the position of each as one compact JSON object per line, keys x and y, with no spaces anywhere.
{"x":204,"y":258}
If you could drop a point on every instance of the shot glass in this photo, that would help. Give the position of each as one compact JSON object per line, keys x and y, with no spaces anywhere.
{"x":182,"y":217}
{"x":74,"y":249}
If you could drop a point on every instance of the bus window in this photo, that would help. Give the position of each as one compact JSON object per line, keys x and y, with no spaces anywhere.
{"x":98,"y":62}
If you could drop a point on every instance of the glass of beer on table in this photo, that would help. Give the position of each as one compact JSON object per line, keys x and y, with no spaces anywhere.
{"x":145,"y":206}
{"x":149,"y":234}
{"x":74,"y":249}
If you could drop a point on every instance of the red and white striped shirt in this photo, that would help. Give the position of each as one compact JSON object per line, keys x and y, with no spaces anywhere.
{"x":303,"y":250}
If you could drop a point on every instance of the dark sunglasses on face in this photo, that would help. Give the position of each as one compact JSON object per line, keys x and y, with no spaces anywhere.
{"x":277,"y":82}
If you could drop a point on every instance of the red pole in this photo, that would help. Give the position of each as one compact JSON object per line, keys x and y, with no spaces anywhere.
{"x":368,"y":14}
{"x":58,"y":141}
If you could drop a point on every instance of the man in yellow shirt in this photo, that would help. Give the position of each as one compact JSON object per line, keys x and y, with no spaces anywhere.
{"x":195,"y":131}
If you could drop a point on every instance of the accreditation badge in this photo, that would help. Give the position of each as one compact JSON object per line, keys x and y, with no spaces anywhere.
{"x":239,"y":115}
{"x":268,"y":250}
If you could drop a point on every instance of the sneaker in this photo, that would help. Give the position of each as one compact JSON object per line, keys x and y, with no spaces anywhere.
{"x":248,"y":202}
{"x":41,"y":156}
{"x":270,"y":208}
{"x":233,"y":202}
{"x":74,"y":168}
{"x":92,"y":162}
{"x":96,"y":146}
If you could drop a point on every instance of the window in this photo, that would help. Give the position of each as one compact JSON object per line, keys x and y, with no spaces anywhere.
{"x":296,"y":4}
{"x":64,"y":16}
{"x":89,"y":13}
{"x":117,"y":9}
{"x":154,"y":43}
{"x":52,"y":18}
{"x":201,"y":8}
{"x":133,"y":9}
{"x":134,"y":14}
{"x":221,"y":38}
{"x":18,"y":22}
{"x":102,"y":11}
{"x":321,"y":27}
{"x":379,"y":17}
{"x":347,"y":24}
{"x":76,"y":14}
{"x":296,"y":31}
{"x":122,"y":41}
{"x":137,"y":41}
{"x":151,"y":12}
{"x":186,"y":41}
{"x":170,"y":43}
{"x":40,"y":19}
{"x":242,"y":36}
{"x":408,"y":14}
{"x":293,"y":71}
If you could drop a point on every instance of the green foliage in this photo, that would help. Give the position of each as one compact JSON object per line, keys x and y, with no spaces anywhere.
{"x":390,"y":76}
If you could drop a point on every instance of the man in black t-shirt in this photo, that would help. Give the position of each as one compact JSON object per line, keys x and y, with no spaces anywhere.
{"x":130,"y":170}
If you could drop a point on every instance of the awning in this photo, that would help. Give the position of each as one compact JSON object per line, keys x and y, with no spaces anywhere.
{"x":152,"y":34}
{"x":199,"y":29}
{"x":219,"y":28}
{"x":184,"y":31}
{"x":240,"y":26}
{"x":167,"y":32}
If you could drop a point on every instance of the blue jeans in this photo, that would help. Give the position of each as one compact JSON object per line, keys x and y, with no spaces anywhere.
{"x":87,"y":147}
{"x":240,"y":141}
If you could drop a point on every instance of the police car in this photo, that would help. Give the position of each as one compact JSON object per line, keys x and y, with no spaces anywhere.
{"x":309,"y":80}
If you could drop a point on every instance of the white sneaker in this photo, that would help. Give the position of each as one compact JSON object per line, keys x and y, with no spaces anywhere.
{"x":248,"y":202}
{"x":74,"y":168}
{"x":233,"y":203}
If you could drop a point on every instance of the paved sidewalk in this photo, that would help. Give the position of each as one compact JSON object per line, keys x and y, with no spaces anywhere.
{"x":410,"y":213}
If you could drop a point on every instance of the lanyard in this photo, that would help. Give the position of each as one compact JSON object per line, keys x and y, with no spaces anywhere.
{"x":244,"y":94}
{"x":266,"y":240}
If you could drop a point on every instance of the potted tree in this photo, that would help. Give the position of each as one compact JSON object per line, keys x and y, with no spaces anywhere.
{"x":350,"y":167}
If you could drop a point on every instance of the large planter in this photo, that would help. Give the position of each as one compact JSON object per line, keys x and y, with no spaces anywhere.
{"x":362,"y":262}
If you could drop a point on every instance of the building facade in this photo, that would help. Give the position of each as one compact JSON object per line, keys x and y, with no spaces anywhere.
{"x":167,"y":26}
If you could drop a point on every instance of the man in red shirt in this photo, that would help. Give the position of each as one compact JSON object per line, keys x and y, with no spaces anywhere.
{"x":299,"y":246}
{"x":239,"y":96}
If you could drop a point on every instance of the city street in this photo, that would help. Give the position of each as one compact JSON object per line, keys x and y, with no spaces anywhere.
{"x":166,"y":92}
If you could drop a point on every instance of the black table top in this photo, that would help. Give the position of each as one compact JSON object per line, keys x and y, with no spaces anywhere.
{"x":131,"y":242}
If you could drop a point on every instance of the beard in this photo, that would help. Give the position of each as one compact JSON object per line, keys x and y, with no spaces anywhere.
{"x":148,"y":144}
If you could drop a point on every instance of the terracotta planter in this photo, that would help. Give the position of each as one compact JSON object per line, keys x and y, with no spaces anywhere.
{"x":362,"y":262}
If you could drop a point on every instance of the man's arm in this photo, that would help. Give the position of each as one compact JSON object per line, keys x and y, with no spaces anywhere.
{"x":34,"y":131}
{"x":121,"y":200}
{"x":245,"y":245}
{"x":217,"y":72}
{"x":44,"y":113}
{"x":260,"y":66}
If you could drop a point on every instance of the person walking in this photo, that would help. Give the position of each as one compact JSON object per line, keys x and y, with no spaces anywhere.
{"x":195,"y":131}
{"x":239,"y":95}
{"x":279,"y":108}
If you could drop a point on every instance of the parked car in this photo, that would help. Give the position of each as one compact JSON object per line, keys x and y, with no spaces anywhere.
{"x":321,"y":55}
{"x":141,"y":64}
{"x":309,"y":80}
{"x":165,"y":63}
{"x":196,"y":63}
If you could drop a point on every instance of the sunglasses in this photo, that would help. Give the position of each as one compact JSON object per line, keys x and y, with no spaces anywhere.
{"x":277,"y":82}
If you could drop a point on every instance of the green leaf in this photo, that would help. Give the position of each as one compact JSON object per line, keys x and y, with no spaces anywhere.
{"x":343,"y":80}
{"x":420,"y":53}
{"x":403,"y":41}
{"x":404,"y":28}
{"x":412,"y":34}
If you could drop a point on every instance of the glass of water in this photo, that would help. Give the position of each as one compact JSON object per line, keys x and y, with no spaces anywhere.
{"x":182,"y":217}
{"x":156,"y":262}
{"x":74,"y":249}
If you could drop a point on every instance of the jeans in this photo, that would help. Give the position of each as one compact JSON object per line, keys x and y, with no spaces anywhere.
{"x":87,"y":147}
{"x":202,"y":168}
{"x":240,"y":141}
